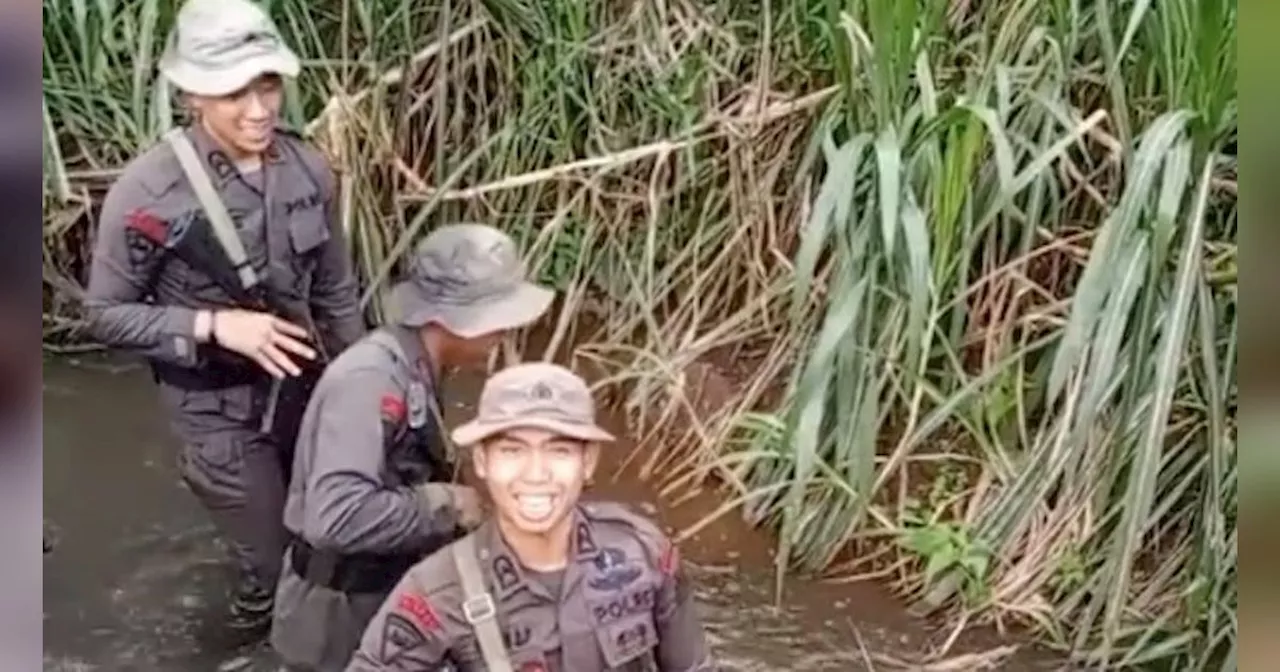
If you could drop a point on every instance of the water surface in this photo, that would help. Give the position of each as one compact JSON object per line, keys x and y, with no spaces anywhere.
{"x":137,"y":581}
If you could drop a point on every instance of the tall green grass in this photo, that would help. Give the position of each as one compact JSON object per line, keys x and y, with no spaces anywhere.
{"x":972,"y":264}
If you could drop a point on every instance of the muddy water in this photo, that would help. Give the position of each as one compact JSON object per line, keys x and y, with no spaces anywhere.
{"x":136,"y":579}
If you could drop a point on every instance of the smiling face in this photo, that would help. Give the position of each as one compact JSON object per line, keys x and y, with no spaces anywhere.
{"x":534,"y":477}
{"x":244,"y":121}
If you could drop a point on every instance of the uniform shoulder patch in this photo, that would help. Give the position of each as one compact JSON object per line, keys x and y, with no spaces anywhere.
{"x":414,"y":626}
{"x":418,"y":610}
{"x":147,"y":225}
{"x":393,"y":408}
{"x":410,"y":631}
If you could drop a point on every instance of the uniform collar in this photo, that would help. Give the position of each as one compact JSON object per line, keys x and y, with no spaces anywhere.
{"x":506,"y":575}
{"x":222,"y":168}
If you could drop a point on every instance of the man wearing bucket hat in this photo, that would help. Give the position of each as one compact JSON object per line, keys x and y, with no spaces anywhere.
{"x":548,"y":584}
{"x":371,"y":492}
{"x":219,"y":257}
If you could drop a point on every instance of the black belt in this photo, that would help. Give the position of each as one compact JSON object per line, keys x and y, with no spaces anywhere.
{"x":215,"y":375}
{"x":357,"y":573}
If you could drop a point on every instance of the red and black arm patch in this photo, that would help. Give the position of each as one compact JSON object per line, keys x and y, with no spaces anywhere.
{"x":408,"y":635}
{"x":393,"y":410}
{"x":145,"y":236}
{"x":147,"y":225}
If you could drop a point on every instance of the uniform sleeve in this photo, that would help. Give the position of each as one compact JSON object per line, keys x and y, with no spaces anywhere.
{"x":124,"y":266}
{"x":348,"y":508}
{"x":406,"y":635}
{"x":334,"y":295}
{"x":682,"y":641}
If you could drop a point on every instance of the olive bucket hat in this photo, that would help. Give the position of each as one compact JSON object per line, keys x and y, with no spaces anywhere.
{"x":469,"y":279}
{"x":218,"y":47}
{"x":536,"y":394}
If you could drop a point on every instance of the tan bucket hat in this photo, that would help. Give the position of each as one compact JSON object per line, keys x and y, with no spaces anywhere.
{"x":469,"y":279}
{"x":537,"y":394}
{"x":218,"y":47}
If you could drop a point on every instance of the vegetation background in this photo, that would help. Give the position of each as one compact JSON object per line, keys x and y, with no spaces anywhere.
{"x":969,"y":266}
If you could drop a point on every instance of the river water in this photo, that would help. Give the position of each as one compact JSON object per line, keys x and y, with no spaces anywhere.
{"x":136,"y":578}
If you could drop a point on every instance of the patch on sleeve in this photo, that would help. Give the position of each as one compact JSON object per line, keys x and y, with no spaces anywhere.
{"x":393,"y":408}
{"x":144,"y":236}
{"x":409,"y":634}
{"x":401,"y":642}
{"x":148,"y":225}
{"x":418,"y":610}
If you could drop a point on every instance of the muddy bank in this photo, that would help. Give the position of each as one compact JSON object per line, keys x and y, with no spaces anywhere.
{"x":136,"y":579}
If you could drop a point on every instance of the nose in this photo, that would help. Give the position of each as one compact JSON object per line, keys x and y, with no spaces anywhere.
{"x":535,"y":469}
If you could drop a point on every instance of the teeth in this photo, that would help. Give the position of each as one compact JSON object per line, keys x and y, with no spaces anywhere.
{"x":535,"y":507}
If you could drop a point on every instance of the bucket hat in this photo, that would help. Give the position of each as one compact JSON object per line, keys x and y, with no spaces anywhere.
{"x":536,"y":394}
{"x":218,"y":47}
{"x":469,"y":279}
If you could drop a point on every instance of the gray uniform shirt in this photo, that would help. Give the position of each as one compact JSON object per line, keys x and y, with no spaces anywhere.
{"x":623,"y":604}
{"x":347,"y":495}
{"x":144,"y":299}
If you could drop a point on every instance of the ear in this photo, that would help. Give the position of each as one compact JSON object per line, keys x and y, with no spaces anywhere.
{"x":591,"y":458}
{"x":192,"y":103}
{"x":479,"y":460}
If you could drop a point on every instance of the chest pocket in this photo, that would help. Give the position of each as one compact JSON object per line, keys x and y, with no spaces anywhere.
{"x":308,"y":233}
{"x":630,"y":644}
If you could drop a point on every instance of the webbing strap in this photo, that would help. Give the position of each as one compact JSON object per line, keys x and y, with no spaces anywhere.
{"x":478,"y":606}
{"x":223,"y":228}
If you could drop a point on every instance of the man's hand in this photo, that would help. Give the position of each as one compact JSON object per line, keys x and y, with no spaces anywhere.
{"x":463,"y":500}
{"x":262,"y":337}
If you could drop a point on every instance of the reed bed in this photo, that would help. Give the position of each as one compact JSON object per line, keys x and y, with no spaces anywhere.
{"x":969,"y":268}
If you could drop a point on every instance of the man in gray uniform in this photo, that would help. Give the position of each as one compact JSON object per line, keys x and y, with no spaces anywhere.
{"x":549,"y":584}
{"x":370,"y":493}
{"x":219,"y":258}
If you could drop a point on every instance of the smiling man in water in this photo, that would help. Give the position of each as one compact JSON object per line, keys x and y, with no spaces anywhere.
{"x":220,"y":257}
{"x":549,"y":584}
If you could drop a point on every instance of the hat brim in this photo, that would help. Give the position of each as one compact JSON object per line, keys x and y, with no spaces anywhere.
{"x":191,"y":78}
{"x":474,"y":432}
{"x":521,"y":307}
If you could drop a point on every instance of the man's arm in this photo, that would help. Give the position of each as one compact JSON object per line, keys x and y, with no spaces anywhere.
{"x":682,"y":642}
{"x":126,"y":258}
{"x":348,"y":508}
{"x":335,"y":299}
{"x":406,"y":635}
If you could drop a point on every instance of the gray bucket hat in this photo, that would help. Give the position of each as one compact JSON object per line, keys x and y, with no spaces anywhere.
{"x":469,"y":279}
{"x":218,"y":47}
{"x":537,"y":394}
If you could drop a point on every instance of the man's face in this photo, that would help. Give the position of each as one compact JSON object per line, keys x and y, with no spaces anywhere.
{"x":245,"y":120}
{"x":534,"y":476}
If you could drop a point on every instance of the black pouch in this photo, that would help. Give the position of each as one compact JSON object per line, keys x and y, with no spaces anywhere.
{"x":285,"y":405}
